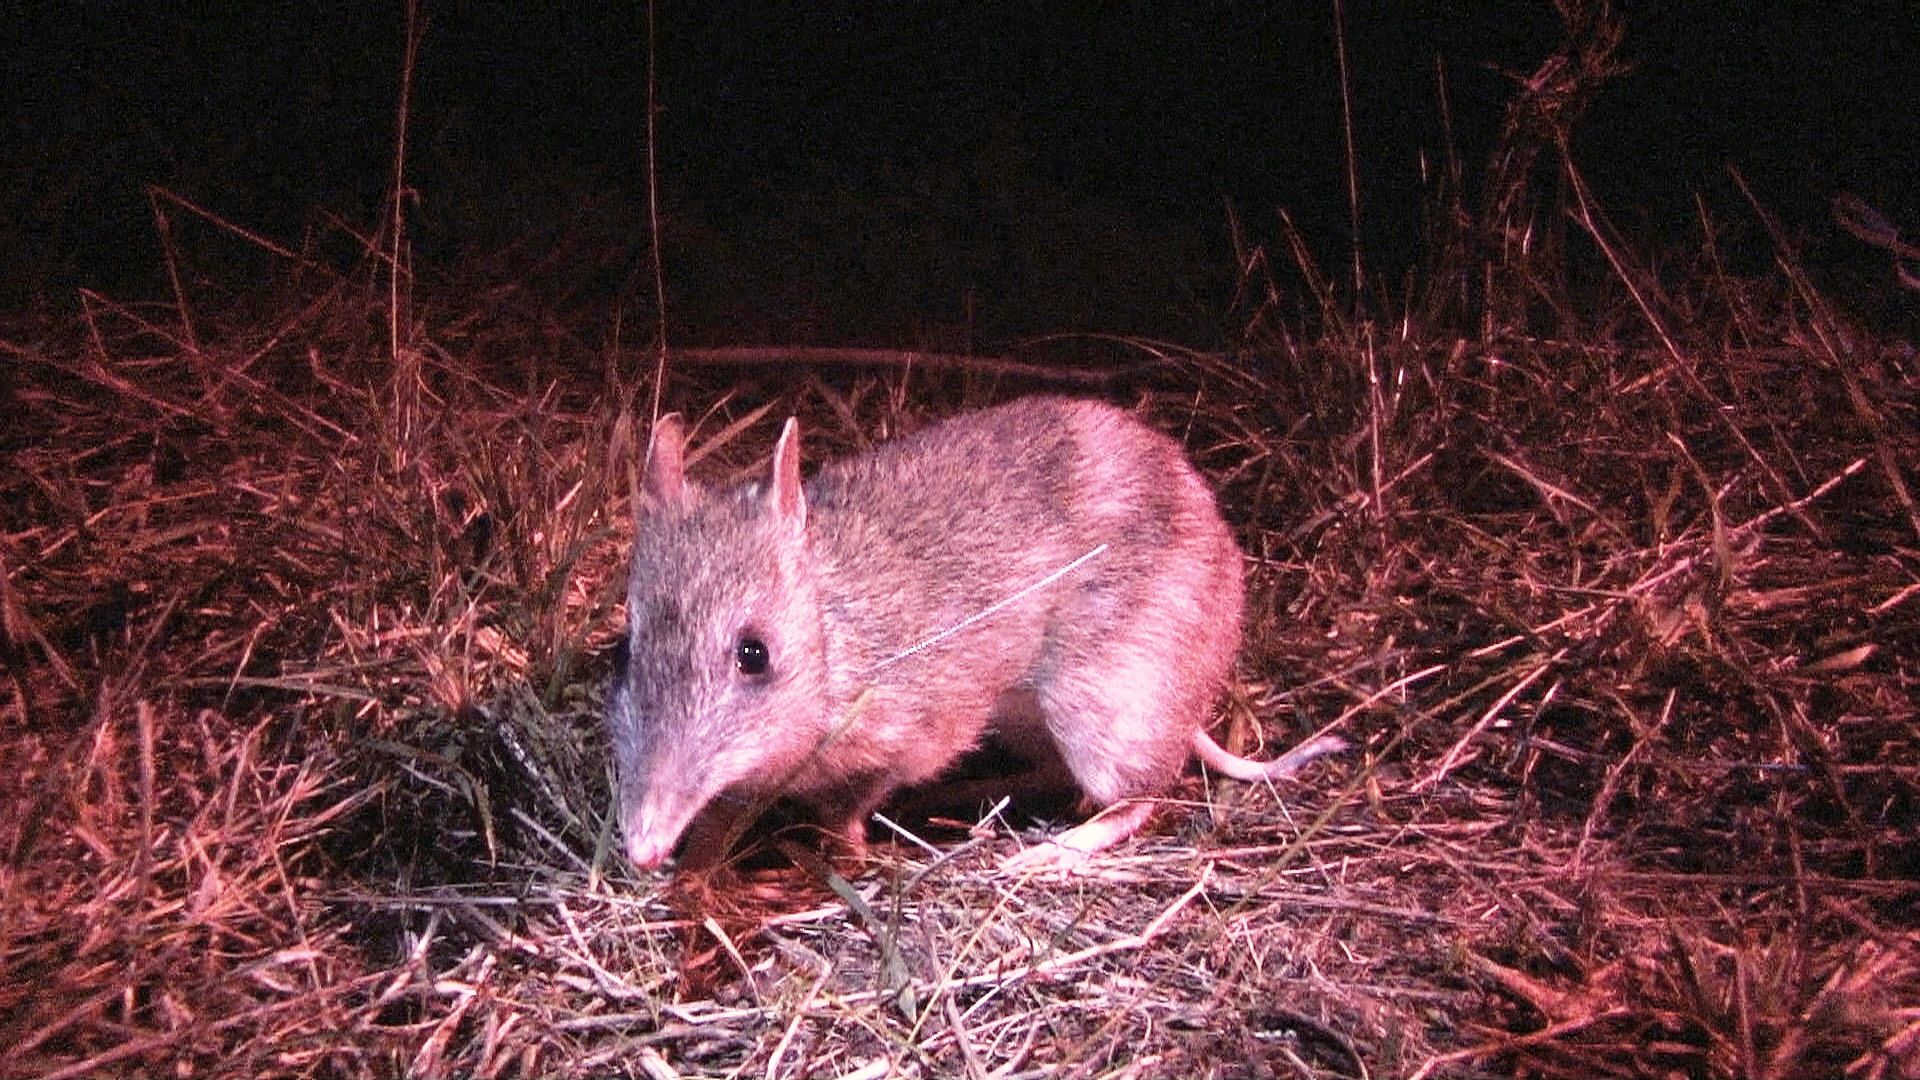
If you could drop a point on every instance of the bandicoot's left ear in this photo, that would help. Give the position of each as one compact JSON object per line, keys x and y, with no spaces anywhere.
{"x":784,"y":495}
{"x":666,"y":483}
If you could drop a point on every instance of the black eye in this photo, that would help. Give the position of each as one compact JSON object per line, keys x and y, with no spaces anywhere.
{"x":750,"y":655}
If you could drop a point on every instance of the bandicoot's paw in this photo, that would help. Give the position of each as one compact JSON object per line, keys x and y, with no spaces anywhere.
{"x":1045,"y":859}
{"x":1070,"y":851}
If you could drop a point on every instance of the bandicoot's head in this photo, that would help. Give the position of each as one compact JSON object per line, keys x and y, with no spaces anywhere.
{"x":720,"y":687}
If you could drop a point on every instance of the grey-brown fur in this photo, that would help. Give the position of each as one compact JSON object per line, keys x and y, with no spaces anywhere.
{"x":1116,"y":663}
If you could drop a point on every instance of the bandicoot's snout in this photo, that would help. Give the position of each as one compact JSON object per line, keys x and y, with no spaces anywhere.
{"x":656,"y":809}
{"x":646,"y":848}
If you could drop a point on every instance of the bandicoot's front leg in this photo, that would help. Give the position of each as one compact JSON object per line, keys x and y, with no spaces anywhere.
{"x":845,"y":813}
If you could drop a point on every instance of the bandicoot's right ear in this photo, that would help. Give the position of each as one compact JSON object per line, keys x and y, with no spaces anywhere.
{"x":666,"y":483}
{"x":784,"y":494}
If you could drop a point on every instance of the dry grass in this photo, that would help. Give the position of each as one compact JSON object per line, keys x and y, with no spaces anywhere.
{"x":305,"y":636}
{"x":302,"y":726}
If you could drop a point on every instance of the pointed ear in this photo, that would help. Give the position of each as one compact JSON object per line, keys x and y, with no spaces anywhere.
{"x":666,"y":483}
{"x":784,"y":495}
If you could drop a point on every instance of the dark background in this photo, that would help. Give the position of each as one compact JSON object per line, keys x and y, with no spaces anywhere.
{"x":862,"y":172}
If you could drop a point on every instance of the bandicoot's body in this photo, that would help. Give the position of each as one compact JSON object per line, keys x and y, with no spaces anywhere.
{"x":1049,"y":571}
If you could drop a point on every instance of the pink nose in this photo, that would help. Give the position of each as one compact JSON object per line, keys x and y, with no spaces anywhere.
{"x":647,"y":852}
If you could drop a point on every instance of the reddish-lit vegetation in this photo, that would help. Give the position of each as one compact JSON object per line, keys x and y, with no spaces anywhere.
{"x":1616,"y":588}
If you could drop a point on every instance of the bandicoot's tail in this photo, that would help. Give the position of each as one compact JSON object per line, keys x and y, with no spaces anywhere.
{"x":1215,"y":757}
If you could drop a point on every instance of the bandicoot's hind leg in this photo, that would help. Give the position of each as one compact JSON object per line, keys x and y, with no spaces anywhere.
{"x":1123,"y":731}
{"x":1139,"y":649}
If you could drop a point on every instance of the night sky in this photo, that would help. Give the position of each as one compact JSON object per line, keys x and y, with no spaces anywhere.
{"x":1062,"y":167}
